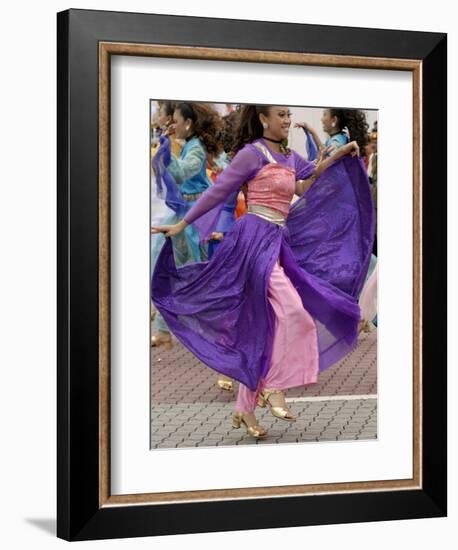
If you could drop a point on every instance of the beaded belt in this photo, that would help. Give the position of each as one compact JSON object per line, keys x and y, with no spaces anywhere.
{"x":267,"y":213}
{"x":192,"y":197}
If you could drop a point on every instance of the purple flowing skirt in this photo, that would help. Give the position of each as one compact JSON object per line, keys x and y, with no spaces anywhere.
{"x":219,"y":309}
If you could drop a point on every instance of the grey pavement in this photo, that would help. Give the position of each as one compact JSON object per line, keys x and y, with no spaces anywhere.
{"x":189,"y":410}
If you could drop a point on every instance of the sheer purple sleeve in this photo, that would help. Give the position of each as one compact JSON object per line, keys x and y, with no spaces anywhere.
{"x":304,"y":168}
{"x":243,"y":167}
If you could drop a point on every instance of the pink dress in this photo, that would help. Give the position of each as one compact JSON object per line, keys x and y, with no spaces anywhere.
{"x":295,"y":354}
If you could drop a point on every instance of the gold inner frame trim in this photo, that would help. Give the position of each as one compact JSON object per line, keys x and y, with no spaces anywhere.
{"x":106,"y":50}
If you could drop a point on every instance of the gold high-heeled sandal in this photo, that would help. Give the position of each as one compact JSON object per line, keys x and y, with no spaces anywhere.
{"x":280,"y":412}
{"x":224,"y":383}
{"x":255,"y":431}
{"x":364,"y":326}
{"x":161,"y":339}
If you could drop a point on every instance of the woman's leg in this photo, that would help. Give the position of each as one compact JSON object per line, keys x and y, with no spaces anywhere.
{"x":246,"y":399}
{"x":244,"y":412}
{"x":161,"y":331}
{"x":295,"y":358}
{"x":160,"y":324}
{"x":295,"y":355}
{"x":368,"y":298}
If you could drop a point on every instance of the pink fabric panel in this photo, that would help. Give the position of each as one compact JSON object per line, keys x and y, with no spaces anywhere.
{"x":368,"y":298}
{"x":295,"y":359}
{"x":271,"y":188}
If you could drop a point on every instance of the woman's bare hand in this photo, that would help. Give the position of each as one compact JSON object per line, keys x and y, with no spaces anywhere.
{"x":303,"y":125}
{"x":323,"y":152}
{"x":217,"y":236}
{"x":169,"y":230}
{"x":169,"y":130}
{"x":353,"y":149}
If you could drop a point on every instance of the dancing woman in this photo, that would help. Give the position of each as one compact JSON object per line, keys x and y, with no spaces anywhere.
{"x":164,"y":127}
{"x":186,"y":177}
{"x":277,"y":303}
{"x":335,"y":122}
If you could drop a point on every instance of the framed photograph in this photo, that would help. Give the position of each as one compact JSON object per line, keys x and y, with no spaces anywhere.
{"x":251,"y":274}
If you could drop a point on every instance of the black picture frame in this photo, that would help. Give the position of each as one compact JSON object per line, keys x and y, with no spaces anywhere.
{"x":79,"y":511}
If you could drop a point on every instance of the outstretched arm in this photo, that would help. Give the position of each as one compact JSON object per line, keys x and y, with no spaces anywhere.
{"x":309,"y":176}
{"x":351,"y":148}
{"x":304,"y":174}
{"x":243,"y":167}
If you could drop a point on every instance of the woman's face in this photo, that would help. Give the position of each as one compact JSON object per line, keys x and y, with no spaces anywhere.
{"x":279,"y":121}
{"x":371,"y":147}
{"x":183,"y":127}
{"x":164,"y":119}
{"x":327,"y":121}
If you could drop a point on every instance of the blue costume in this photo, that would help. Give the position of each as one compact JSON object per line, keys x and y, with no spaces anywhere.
{"x":189,"y":180}
{"x":336,"y":141}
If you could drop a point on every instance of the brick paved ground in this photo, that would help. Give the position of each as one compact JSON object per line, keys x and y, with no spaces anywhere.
{"x":188,"y":410}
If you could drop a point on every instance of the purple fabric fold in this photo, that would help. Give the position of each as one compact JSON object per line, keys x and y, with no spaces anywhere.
{"x":332,"y":226}
{"x":166,"y":187}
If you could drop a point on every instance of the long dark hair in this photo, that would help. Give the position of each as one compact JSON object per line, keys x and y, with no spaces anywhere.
{"x":355,"y":121}
{"x":249,"y":126}
{"x":227,"y":135}
{"x":206,"y":122}
{"x":169,"y":107}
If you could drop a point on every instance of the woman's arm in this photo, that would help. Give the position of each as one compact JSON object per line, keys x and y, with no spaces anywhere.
{"x":304,"y":173}
{"x":309,"y":176}
{"x":304,"y":185}
{"x":351,"y":148}
{"x":243,"y":167}
{"x":335,"y":143}
{"x":315,"y":136}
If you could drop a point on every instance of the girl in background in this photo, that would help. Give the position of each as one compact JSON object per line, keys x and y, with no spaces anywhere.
{"x":183,"y":179}
{"x":342,"y":126}
{"x":162,"y":126}
{"x":165,"y":121}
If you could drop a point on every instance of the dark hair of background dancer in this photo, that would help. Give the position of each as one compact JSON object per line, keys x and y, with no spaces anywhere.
{"x":227,"y":135}
{"x":355,"y":121}
{"x":167,"y":107}
{"x":249,"y":126}
{"x":206,"y":124}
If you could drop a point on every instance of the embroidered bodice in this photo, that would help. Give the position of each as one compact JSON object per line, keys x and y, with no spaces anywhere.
{"x":270,"y":176}
{"x":273,"y":187}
